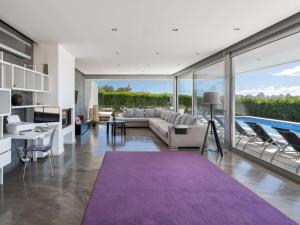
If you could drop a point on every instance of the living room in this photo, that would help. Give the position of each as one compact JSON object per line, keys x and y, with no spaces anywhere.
{"x":156,"y":112}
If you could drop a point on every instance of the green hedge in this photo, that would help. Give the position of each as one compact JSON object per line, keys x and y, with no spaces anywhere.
{"x":287,"y":108}
{"x":134,"y":99}
{"x":275,"y":108}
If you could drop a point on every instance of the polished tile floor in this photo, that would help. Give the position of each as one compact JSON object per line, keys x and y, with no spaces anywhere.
{"x":41,"y":199}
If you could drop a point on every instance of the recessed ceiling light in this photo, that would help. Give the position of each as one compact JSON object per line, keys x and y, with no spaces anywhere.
{"x":157,"y":53}
{"x":114,"y":29}
{"x":117,"y":53}
{"x":257,"y":59}
{"x":148,"y":64}
{"x":175,"y":29}
{"x":197,"y":53}
{"x":236,"y":28}
{"x":118,"y":64}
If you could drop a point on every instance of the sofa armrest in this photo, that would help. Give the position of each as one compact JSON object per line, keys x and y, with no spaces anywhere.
{"x":193,"y":138}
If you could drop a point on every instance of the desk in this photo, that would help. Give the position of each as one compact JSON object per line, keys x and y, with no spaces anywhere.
{"x":31,"y":136}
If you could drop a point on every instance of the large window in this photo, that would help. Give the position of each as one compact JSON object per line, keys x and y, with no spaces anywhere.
{"x":210,"y":79}
{"x":115,"y":95}
{"x":267,"y":105}
{"x":185,"y":93}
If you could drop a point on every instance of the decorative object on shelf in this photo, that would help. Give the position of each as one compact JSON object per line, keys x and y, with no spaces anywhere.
{"x":16,"y":100}
{"x":45,"y":69}
{"x":212,"y":98}
{"x":78,"y":120}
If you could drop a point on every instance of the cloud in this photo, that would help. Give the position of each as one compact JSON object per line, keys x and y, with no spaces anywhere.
{"x":293,"y":72}
{"x":269,"y":91}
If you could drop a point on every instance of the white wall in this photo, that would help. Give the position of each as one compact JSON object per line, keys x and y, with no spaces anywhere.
{"x":66,"y":71}
{"x":66,"y":83}
{"x":61,"y":69}
{"x":47,"y":53}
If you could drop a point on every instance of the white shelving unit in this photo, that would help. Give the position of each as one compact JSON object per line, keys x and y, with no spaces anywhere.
{"x":5,"y":74}
{"x":27,"y":106}
{"x":25,"y":79}
{"x":17,"y":78}
{"x":5,"y":143}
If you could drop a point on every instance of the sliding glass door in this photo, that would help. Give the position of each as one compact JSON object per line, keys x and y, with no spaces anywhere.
{"x":267,"y":102}
{"x":210,"y":79}
{"x":185,"y":93}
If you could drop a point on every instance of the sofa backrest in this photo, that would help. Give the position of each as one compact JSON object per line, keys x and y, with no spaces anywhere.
{"x":128,"y":113}
{"x":171,"y":117}
{"x":188,"y":120}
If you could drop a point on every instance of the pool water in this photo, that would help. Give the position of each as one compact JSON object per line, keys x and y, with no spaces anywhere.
{"x":267,"y":124}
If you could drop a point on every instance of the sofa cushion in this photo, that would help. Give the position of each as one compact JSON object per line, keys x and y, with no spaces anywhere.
{"x":170,"y":116}
{"x":174,"y":117}
{"x":129,"y":113}
{"x":157,"y":112}
{"x":191,"y":121}
{"x":155,"y":122}
{"x":139,"y":113}
{"x":183,"y":119}
{"x":178,"y":120}
{"x":149,"y":112}
{"x":162,"y":114}
{"x":164,"y":128}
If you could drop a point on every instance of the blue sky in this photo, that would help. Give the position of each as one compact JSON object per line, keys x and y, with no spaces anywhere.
{"x":281,"y":79}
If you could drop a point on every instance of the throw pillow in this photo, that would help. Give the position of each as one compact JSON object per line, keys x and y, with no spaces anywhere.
{"x":184,"y":118}
{"x":139,"y":113}
{"x":170,"y":117}
{"x":163,"y":114}
{"x":167,"y":115}
{"x":191,"y":121}
{"x":149,"y":112}
{"x":129,"y":113}
{"x":175,"y":115}
{"x":178,"y":120}
{"x":157,"y":112}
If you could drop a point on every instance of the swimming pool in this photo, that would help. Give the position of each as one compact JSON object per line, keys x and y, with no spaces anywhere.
{"x":269,"y":123}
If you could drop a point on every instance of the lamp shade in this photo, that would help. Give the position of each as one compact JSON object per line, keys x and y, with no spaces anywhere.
{"x":211,"y":98}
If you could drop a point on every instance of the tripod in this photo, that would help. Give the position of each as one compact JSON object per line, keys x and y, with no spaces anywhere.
{"x":212,"y":124}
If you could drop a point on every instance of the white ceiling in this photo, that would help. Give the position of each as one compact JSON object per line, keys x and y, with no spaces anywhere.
{"x":84,"y":28}
{"x":283,"y":51}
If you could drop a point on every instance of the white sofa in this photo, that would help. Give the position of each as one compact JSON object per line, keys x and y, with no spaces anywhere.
{"x":163,"y":122}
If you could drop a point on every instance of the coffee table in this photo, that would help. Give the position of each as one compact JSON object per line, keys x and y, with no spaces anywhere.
{"x":116,"y":124}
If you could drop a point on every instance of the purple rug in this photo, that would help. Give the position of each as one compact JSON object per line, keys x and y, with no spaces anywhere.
{"x":173,"y":188}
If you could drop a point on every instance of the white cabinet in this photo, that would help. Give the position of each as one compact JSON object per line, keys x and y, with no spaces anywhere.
{"x":5,"y":155}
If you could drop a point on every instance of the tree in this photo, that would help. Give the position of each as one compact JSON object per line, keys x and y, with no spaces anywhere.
{"x":107,"y":88}
{"x":260,"y":95}
{"x":125,"y":89}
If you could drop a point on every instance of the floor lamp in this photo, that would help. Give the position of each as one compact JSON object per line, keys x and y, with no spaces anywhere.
{"x":212,"y":98}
